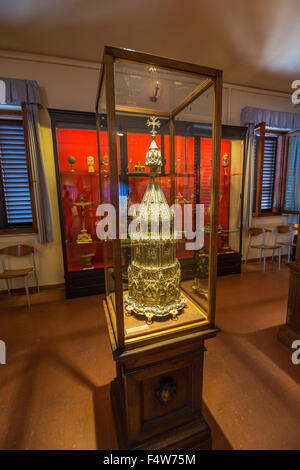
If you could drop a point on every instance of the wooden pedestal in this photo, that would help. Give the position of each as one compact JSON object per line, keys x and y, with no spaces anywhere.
{"x":157,"y":395}
{"x":291,"y":330}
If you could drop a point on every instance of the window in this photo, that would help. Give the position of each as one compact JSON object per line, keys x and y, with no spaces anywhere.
{"x":268,"y":165}
{"x":16,"y":198}
{"x":268,"y":173}
{"x":277,"y":170}
{"x":291,"y":186}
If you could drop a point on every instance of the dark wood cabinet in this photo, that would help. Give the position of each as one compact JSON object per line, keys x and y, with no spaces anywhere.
{"x":158,"y":316}
{"x":157,"y":396}
{"x":290,"y":331}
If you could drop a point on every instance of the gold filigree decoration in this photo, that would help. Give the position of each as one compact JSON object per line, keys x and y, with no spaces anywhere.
{"x":154,"y":274}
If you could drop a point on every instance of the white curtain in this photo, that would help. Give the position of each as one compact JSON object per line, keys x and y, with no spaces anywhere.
{"x":249,"y":177}
{"x":43,"y":207}
{"x":279,"y":119}
{"x":27,"y":91}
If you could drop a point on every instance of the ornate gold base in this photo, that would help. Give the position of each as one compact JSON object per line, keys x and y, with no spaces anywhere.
{"x":84,"y":237}
{"x":162,"y":314}
{"x":154,"y":292}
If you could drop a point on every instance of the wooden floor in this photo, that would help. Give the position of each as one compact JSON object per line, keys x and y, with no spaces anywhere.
{"x":54,"y":389}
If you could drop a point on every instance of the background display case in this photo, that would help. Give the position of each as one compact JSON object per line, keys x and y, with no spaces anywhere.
{"x":192,"y":159}
{"x":74,"y":134}
{"x":231,"y":200}
{"x":78,"y":186}
{"x":158,"y":318}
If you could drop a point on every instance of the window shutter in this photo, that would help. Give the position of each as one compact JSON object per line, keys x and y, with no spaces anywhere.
{"x":256,"y":147}
{"x":14,"y":172}
{"x":292,"y":174}
{"x":269,"y":165}
{"x":290,"y":190}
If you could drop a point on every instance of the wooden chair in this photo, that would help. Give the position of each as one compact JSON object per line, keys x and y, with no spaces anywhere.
{"x":8,"y":274}
{"x":255,"y":232}
{"x":289,"y":243}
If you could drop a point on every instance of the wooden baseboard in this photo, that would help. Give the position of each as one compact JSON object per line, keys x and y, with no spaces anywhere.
{"x":33,"y":289}
{"x":268,"y":258}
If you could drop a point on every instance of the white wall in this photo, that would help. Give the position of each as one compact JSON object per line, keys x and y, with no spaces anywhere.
{"x":235,"y":98}
{"x":70,"y":84}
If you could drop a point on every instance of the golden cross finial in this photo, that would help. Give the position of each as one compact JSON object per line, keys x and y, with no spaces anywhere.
{"x":153,"y":122}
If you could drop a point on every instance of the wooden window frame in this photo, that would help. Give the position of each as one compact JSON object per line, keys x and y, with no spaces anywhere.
{"x":263,"y":131}
{"x":284,"y":171}
{"x":20,"y":229}
{"x":261,"y":128}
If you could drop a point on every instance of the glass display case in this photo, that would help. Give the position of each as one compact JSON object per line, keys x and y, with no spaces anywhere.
{"x":74,"y":135}
{"x":159,"y":194}
{"x":231,"y":200}
{"x":192,"y":157}
{"x":78,"y":186}
{"x":159,"y":111}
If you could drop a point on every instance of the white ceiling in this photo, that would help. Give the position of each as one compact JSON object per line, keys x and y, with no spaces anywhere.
{"x":255,"y":42}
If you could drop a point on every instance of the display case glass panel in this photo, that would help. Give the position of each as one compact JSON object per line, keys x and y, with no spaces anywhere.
{"x":164,"y":200}
{"x":79,"y":182}
{"x":78,"y":189}
{"x":147,"y":86}
{"x":231,"y":189}
{"x":194,"y":169}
